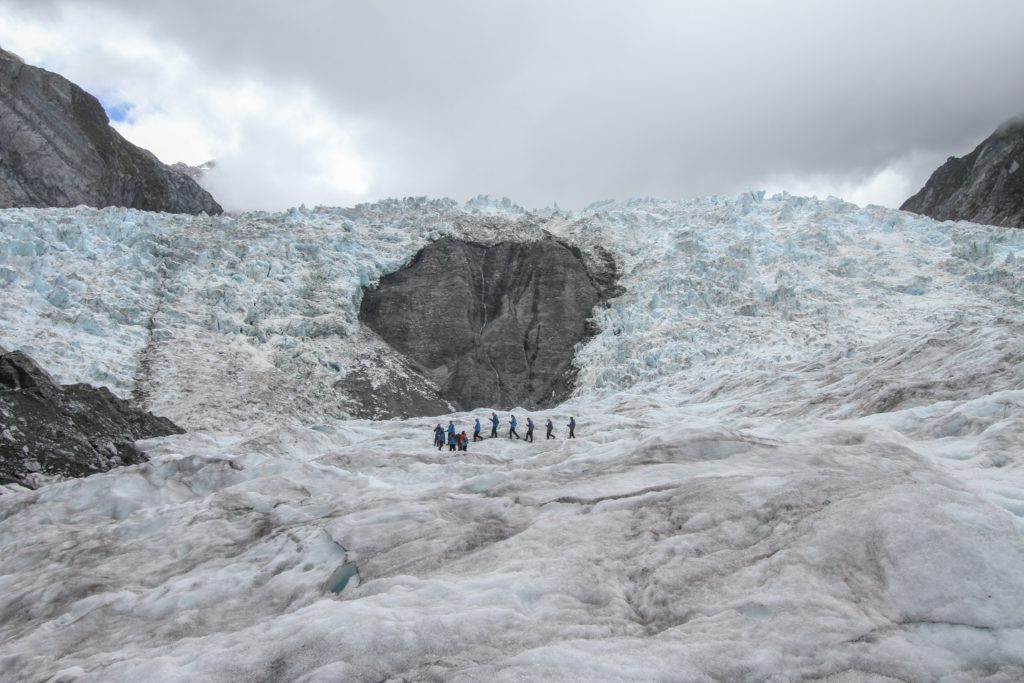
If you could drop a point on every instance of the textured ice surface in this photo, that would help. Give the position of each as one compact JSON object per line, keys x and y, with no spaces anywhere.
{"x":661,"y":544}
{"x":799,"y":456}
{"x":720,"y":289}
{"x":215,"y":321}
{"x":226,"y":321}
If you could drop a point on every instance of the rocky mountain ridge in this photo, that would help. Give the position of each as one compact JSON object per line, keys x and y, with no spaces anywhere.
{"x":57,"y":148}
{"x":985,"y":186}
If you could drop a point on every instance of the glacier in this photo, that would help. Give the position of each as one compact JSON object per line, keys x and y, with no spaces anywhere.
{"x":799,"y":455}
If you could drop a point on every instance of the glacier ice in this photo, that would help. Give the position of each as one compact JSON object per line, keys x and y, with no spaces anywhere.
{"x":799,"y":455}
{"x":264,"y":307}
{"x":661,"y":544}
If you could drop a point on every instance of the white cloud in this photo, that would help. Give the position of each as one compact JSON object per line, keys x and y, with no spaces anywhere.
{"x":172,"y":138}
{"x":889,"y":185}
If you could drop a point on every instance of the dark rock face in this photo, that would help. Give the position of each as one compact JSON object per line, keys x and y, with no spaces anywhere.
{"x":986,"y":186}
{"x":57,"y":149}
{"x":71,"y":431}
{"x":492,"y":325}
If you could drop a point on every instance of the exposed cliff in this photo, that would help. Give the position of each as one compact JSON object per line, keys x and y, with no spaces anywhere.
{"x":491,"y":325}
{"x":986,"y":186}
{"x":57,"y":149}
{"x":70,"y":431}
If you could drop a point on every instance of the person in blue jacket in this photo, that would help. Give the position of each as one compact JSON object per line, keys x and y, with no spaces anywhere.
{"x":438,"y":437}
{"x":512,"y":427}
{"x":476,"y":431}
{"x":453,"y":441}
{"x":494,"y":425}
{"x":451,"y":427}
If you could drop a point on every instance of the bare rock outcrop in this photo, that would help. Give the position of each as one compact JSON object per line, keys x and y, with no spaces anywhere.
{"x":69,"y":431}
{"x":492,"y":325}
{"x":57,"y":149}
{"x":986,"y":186}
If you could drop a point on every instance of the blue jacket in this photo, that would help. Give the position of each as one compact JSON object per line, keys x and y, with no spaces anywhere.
{"x":476,"y":427}
{"x":494,"y":420}
{"x":451,"y":429}
{"x":513,"y":422}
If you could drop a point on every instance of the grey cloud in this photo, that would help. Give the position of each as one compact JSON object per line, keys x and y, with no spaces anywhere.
{"x":576,"y":101}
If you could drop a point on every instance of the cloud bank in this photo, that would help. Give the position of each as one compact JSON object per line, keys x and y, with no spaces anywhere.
{"x":337,"y":102}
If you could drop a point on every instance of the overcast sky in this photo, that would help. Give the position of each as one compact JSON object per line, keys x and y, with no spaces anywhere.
{"x":568,"y":101}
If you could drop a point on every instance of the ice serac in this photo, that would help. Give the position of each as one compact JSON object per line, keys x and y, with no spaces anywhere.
{"x":986,"y":186}
{"x":492,"y":325}
{"x":69,"y":431}
{"x":57,"y":149}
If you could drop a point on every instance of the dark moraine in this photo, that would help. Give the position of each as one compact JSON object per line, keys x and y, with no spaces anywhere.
{"x":69,"y":431}
{"x":492,"y":325}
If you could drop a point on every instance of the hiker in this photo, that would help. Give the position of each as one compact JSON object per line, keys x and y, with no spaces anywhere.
{"x":529,"y":429}
{"x":463,"y":442}
{"x":572,"y":427}
{"x":476,"y":431}
{"x":451,"y":428}
{"x":551,"y":428}
{"x":512,"y":427}
{"x":438,"y":437}
{"x":452,"y":440}
{"x":494,"y":425}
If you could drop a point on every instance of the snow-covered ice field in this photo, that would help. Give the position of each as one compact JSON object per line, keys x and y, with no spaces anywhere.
{"x":799,"y":456}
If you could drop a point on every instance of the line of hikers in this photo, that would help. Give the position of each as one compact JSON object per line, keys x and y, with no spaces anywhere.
{"x":458,"y":441}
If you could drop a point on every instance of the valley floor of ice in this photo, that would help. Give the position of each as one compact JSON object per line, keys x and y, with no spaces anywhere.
{"x":798,"y":457}
{"x":661,"y":544}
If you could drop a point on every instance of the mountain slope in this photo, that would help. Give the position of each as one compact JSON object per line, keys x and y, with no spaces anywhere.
{"x":986,"y":186}
{"x":58,"y":149}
